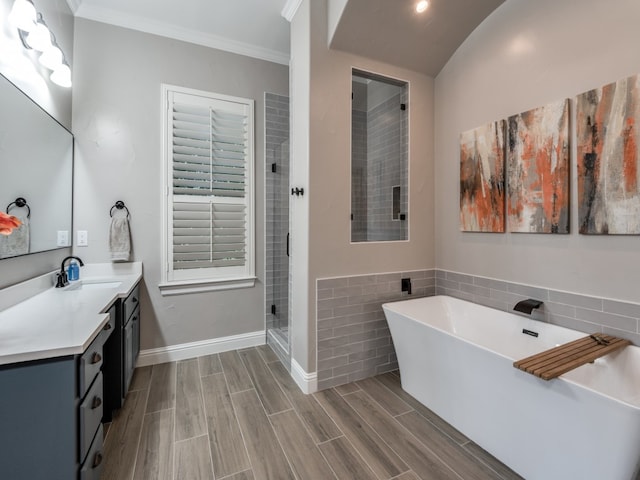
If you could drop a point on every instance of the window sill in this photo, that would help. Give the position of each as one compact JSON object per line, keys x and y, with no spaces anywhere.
{"x":201,"y":286}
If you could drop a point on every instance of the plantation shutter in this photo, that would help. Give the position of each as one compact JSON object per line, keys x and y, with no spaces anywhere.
{"x":210,"y":182}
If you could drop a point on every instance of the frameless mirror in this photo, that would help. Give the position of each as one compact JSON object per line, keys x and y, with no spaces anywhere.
{"x":379,"y":158}
{"x":36,"y":175}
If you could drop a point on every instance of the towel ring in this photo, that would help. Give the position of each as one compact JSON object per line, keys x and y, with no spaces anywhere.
{"x":20,"y":202}
{"x":119,"y":205}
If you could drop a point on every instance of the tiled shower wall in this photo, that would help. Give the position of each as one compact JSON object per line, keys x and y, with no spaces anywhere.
{"x":277,"y":208}
{"x":354,"y":340}
{"x":358,"y":176}
{"x":386,"y":168}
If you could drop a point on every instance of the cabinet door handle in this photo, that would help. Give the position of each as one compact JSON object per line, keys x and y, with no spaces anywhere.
{"x":134,"y":300}
{"x":107,"y":327}
{"x":95,"y":358}
{"x":97,"y":460}
{"x":97,"y":401}
{"x":134,"y":319}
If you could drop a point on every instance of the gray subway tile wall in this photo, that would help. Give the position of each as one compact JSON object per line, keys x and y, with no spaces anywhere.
{"x":354,"y":341}
{"x":580,"y":312}
{"x":386,"y":168}
{"x":358,"y":176}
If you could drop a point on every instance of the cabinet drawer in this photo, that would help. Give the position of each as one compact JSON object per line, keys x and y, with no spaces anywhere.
{"x":130,"y":304}
{"x":90,"y":364}
{"x":109,"y":327}
{"x":90,"y":413}
{"x":92,"y":467}
{"x":129,"y":349}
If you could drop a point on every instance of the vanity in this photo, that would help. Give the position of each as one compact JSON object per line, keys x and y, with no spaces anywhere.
{"x":66,"y":360}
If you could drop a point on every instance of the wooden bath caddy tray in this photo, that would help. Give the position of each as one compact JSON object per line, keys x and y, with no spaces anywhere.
{"x":554,"y":362}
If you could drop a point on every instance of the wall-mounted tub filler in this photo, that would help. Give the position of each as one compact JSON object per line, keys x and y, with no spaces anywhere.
{"x":527,"y":306}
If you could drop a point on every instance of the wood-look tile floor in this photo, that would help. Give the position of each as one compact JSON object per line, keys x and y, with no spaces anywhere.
{"x":238,"y":416}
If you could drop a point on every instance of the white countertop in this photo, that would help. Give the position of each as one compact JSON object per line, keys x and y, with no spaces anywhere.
{"x":63,"y":321}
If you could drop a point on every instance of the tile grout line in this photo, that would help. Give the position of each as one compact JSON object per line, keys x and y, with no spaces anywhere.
{"x":135,"y":461}
{"x":478,"y":459}
{"x":235,"y":414}
{"x":204,"y":410}
{"x":302,"y":422}
{"x":175,"y":421}
{"x":421,"y":416}
{"x":411,"y":409}
{"x":402,"y":428}
{"x":268,"y":417}
{"x":364,"y":460}
{"x":293,"y":403}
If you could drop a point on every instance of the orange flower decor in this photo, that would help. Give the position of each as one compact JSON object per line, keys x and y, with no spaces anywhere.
{"x":8,"y":223}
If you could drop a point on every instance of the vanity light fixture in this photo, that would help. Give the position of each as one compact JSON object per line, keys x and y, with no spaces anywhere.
{"x":35,"y":35}
{"x":39,"y":37}
{"x":23,"y":15}
{"x":422,"y":6}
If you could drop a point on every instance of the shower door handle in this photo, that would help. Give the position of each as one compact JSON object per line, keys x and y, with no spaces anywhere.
{"x":288,"y":244}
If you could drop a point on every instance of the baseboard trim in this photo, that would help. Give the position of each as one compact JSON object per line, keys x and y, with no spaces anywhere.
{"x":185,"y":351}
{"x":308,"y":382}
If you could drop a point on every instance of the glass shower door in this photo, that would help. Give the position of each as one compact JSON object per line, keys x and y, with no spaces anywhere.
{"x":277,"y":220}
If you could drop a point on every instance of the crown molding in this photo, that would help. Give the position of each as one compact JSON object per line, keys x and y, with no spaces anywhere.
{"x":74,"y":5}
{"x":290,"y":8}
{"x":141,"y":24}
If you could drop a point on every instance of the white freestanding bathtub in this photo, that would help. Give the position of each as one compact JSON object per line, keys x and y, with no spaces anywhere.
{"x":456,"y":358}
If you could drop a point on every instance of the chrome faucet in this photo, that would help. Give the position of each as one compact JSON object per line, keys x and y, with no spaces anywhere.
{"x":61,"y":279}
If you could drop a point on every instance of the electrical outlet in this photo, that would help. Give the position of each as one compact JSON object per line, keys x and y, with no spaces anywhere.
{"x":83,"y":238}
{"x":63,"y":238}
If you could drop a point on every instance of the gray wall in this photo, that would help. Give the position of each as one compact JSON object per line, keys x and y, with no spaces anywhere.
{"x":327,"y":158}
{"x":22,"y":68}
{"x":527,"y":54}
{"x":117,"y":121}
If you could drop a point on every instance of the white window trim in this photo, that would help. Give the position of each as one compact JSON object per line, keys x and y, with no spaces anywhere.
{"x":245,"y":277}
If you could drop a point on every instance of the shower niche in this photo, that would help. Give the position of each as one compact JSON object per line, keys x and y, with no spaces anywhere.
{"x":379,"y":158}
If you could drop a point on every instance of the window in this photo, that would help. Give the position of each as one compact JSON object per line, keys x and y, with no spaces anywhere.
{"x":208,"y":217}
{"x":379,"y":158}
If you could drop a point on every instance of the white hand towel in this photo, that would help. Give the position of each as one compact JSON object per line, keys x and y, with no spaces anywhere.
{"x":17,"y":243}
{"x":119,"y":239}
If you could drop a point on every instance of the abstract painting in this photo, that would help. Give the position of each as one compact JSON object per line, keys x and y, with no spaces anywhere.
{"x":482,"y":179}
{"x":538,"y":170}
{"x":608,"y":146}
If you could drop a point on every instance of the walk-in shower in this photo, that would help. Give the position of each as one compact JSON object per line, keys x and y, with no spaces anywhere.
{"x":277,"y":222}
{"x":379,"y":158}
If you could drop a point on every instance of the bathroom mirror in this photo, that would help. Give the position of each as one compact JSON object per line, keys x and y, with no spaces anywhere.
{"x":36,"y":164}
{"x":379,"y":158}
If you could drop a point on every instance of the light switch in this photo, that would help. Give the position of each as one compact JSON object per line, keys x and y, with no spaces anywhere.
{"x":63,"y":238}
{"x":83,"y":238}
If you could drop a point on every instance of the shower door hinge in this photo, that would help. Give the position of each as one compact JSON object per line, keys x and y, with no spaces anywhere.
{"x":274,"y":168}
{"x":273,"y":309}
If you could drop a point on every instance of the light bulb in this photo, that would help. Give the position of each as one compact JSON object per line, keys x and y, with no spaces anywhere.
{"x":62,"y":76}
{"x":51,"y":58}
{"x":422,"y":6}
{"x":23,"y":15}
{"x":40,"y":38}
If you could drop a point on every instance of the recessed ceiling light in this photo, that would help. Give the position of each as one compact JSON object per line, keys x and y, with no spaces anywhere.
{"x":422,"y":6}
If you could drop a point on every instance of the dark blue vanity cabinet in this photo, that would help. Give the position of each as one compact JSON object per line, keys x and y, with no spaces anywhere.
{"x":121,"y":351}
{"x":50,"y":415}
